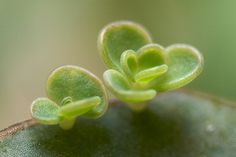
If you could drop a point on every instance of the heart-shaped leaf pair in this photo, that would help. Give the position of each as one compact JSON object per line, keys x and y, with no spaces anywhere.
{"x":142,"y":67}
{"x":72,"y":91}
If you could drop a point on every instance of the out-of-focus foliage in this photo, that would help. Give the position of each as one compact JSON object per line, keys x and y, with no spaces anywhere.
{"x":38,"y":36}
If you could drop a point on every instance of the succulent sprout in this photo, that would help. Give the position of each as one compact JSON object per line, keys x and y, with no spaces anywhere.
{"x":138,"y":68}
{"x":72,"y":91}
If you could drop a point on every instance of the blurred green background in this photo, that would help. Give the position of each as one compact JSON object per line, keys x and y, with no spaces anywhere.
{"x":37,"y":36}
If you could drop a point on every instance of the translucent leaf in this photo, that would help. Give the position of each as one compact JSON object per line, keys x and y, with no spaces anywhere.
{"x":184,"y":62}
{"x":45,"y":111}
{"x":118,"y":37}
{"x":78,"y":84}
{"x":121,"y":88}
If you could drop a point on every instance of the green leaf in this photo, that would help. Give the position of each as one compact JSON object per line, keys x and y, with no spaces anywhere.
{"x":129,"y":63}
{"x":144,"y":65}
{"x":150,"y":56}
{"x":77,"y":84}
{"x":148,"y":75}
{"x":184,"y":62}
{"x":117,"y":37}
{"x":175,"y":124}
{"x":74,"y":109}
{"x":121,"y":88}
{"x":45,"y":111}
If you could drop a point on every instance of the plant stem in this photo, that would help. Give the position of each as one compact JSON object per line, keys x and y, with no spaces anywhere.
{"x":67,"y":124}
{"x":138,"y":107}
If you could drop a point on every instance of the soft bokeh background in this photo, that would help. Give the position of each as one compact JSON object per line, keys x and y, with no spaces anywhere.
{"x":36,"y":36}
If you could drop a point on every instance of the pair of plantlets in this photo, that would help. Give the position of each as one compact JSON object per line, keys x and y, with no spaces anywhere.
{"x":138,"y":70}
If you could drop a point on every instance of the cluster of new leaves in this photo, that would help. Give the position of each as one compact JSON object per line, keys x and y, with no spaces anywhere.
{"x":139,"y":68}
{"x":72,"y":92}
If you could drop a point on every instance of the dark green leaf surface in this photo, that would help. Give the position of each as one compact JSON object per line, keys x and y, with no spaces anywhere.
{"x":176,"y":124}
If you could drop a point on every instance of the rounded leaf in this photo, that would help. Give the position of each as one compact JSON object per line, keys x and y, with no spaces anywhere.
{"x":129,"y":63}
{"x":117,"y":37}
{"x":184,"y":62}
{"x":45,"y":111}
{"x":121,"y":88}
{"x":78,"y":84}
{"x":150,"y":56}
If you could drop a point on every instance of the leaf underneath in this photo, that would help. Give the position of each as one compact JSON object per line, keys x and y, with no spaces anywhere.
{"x":45,"y":111}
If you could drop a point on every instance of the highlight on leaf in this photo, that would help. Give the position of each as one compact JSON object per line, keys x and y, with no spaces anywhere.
{"x":72,"y":91}
{"x":136,"y":65}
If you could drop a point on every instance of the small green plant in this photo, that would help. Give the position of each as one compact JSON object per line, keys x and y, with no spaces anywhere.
{"x":138,"y":68}
{"x":72,"y":91}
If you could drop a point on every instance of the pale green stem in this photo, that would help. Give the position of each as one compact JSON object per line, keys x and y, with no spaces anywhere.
{"x":67,"y":124}
{"x":138,"y":107}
